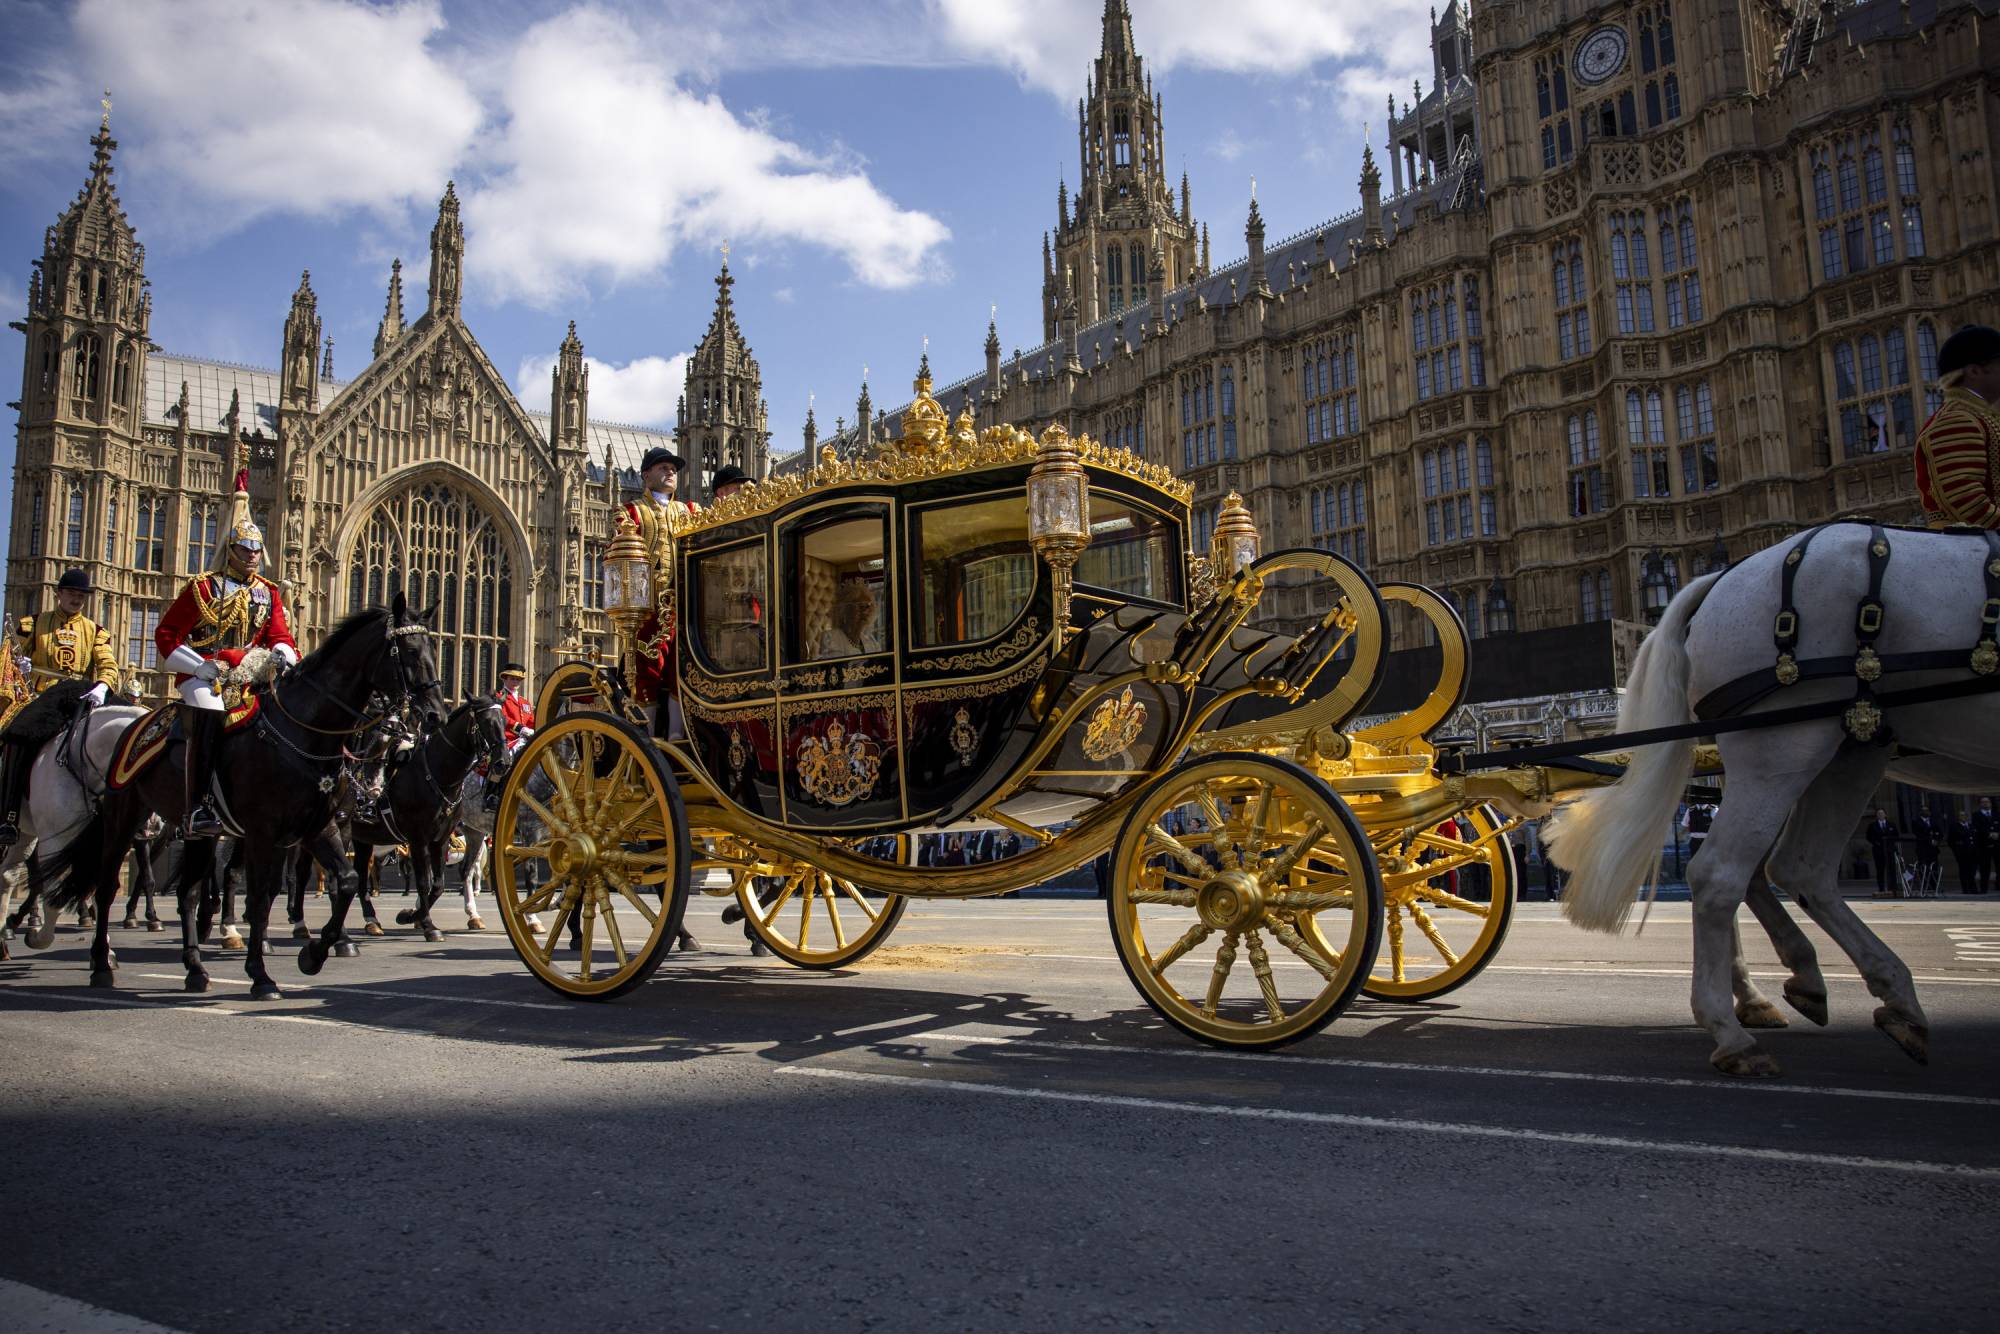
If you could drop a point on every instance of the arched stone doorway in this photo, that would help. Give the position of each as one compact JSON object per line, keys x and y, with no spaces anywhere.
{"x":438,"y":544}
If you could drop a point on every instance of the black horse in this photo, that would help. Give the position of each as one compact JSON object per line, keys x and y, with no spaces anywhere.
{"x":278,"y":780}
{"x":419,"y":805}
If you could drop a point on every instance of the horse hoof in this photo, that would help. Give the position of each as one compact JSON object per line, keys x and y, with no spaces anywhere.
{"x":1914,"y":1039}
{"x":312,"y":958}
{"x":346,"y":949}
{"x":759,"y":950}
{"x":231,"y":941}
{"x":1760,"y":1014}
{"x":407,"y":917}
{"x":301,"y":932}
{"x":129,"y":924}
{"x":535,"y":923}
{"x":1750,"y":1063}
{"x":102,"y":979}
{"x":373,"y":929}
{"x":688,"y":944}
{"x":434,"y":936}
{"x":1810,"y":1004}
{"x":154,"y":924}
{"x":474,"y":924}
{"x":41,"y":937}
{"x":195,"y":982}
{"x":266,"y":990}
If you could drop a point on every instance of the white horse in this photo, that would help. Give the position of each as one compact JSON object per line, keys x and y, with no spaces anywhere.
{"x":1795,"y":792}
{"x":63,"y":787}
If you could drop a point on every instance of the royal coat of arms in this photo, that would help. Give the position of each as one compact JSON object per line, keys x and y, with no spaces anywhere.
{"x":838,"y":769}
{"x":1114,"y":725}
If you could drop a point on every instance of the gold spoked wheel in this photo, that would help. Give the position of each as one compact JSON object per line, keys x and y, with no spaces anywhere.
{"x":815,"y":920}
{"x":1244,"y":900}
{"x":1447,"y":903}
{"x":572,"y":685}
{"x":591,"y":829}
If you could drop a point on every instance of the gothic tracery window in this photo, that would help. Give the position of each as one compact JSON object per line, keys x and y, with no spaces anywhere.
{"x":442,"y":549}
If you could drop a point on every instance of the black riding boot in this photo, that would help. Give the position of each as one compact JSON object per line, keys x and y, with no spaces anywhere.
{"x":14,"y":767}
{"x":202,"y":728}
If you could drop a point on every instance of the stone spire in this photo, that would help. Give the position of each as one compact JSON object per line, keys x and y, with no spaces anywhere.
{"x":1371,"y":197}
{"x":863,"y":411}
{"x":1253,"y":232}
{"x":447,"y":255}
{"x":812,"y":428}
{"x":326,"y":361}
{"x":569,"y":393}
{"x":725,"y":386}
{"x":298,"y":385}
{"x":391,"y":327}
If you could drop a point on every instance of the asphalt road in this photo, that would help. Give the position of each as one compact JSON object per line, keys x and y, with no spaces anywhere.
{"x":987,"y":1129}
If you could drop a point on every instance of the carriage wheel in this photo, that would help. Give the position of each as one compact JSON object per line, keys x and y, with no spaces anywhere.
{"x":816,"y":920}
{"x":591,"y":829}
{"x":1436,"y":937}
{"x":1244,"y":858}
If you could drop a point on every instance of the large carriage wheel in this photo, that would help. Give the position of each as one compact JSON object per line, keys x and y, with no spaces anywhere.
{"x":816,"y":920}
{"x":1448,"y":904}
{"x":1244,"y":902}
{"x":591,"y":829}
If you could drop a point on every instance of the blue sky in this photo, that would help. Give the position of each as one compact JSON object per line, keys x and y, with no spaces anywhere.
{"x":883,"y":172}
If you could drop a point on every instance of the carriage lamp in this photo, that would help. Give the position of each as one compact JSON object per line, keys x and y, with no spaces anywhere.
{"x":1059,"y":513}
{"x":1499,"y":612}
{"x":628,"y":591}
{"x":1234,"y":547}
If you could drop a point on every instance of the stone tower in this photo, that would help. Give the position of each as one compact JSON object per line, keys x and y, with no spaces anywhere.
{"x":723,"y":417}
{"x":82,"y":395}
{"x":1124,"y":208}
{"x":447,"y":255}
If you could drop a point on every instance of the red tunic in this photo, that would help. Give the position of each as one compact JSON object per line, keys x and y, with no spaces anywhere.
{"x":656,"y":643}
{"x":1958,"y":462}
{"x":224,"y":619}
{"x":515,"y":713}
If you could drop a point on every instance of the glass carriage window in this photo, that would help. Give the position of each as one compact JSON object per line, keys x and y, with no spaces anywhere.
{"x":732,"y":608}
{"x":840,"y":581}
{"x":978,"y":569}
{"x":1132,"y":551}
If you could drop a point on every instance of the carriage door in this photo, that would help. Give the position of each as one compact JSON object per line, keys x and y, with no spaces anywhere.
{"x":837,"y":713}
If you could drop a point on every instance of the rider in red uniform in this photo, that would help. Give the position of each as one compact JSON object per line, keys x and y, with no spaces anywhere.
{"x":218,"y":618}
{"x":517,"y":715}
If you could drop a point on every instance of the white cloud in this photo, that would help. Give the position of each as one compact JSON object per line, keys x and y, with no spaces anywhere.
{"x":783,"y":295}
{"x":1049,"y":43}
{"x":303,"y":106}
{"x":605,"y":165}
{"x":639,"y":393}
{"x":1228,"y":145}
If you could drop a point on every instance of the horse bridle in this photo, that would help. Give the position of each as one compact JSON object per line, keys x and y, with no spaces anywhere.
{"x":481,"y":712}
{"x":363,"y":720}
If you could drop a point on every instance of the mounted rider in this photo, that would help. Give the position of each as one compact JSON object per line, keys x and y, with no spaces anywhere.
{"x":659,"y":517}
{"x":216,"y":620}
{"x":1958,"y":449}
{"x":58,"y":647}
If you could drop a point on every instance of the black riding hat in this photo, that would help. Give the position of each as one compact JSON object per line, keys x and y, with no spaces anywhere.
{"x":729,"y":475}
{"x":512,"y":669}
{"x":1974,"y":345}
{"x":659,"y":454}
{"x":76,"y":579}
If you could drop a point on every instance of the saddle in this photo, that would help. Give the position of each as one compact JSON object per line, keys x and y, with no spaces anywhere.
{"x":148,"y":739}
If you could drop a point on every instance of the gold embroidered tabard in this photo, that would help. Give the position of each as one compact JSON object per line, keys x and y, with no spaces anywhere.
{"x":62,"y":647}
{"x":231,"y":613}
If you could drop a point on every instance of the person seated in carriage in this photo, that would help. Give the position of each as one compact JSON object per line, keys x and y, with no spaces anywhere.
{"x":1958,"y":449}
{"x":218,"y":618}
{"x":517,"y":718}
{"x":59,"y":647}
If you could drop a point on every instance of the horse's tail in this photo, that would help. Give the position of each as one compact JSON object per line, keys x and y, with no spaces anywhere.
{"x":1609,"y":840}
{"x":67,"y":877}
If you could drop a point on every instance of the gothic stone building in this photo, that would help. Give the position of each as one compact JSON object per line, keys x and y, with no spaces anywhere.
{"x":422,"y":473}
{"x":1655,"y":285}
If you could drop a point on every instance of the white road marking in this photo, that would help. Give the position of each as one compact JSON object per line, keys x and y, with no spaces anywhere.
{"x":1407,"y":1126}
{"x":1296,"y":1057}
{"x":331,"y":988}
{"x":1933,"y":980}
{"x":35,"y":1311}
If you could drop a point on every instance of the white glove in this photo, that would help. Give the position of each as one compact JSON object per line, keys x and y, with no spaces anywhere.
{"x":524,"y":733}
{"x":208,"y":671}
{"x":97,"y":693}
{"x":286,"y":654}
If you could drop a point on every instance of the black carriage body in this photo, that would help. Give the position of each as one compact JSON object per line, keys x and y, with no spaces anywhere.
{"x":877,"y":656}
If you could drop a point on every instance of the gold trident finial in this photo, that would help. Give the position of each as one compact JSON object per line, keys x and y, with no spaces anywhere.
{"x":725,"y":254}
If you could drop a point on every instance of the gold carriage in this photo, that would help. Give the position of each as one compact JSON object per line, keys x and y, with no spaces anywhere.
{"x":988,"y":631}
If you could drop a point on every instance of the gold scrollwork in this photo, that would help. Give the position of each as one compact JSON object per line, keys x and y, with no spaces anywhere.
{"x":760,"y":711}
{"x":1114,"y":725}
{"x":739,"y":754}
{"x":991,"y":657}
{"x":850,"y":676}
{"x":701,"y":683}
{"x":837,"y":770}
{"x":964,"y":739}
{"x":1026,"y":672}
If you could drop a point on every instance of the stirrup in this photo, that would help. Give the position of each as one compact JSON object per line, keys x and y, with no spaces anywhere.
{"x":203,"y":822}
{"x":10,"y":833}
